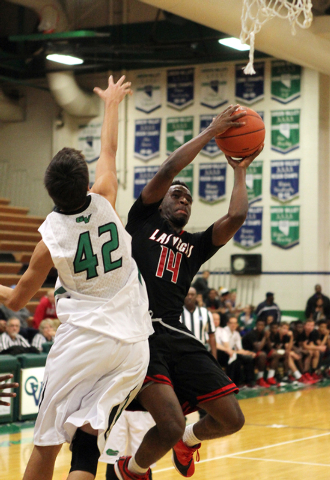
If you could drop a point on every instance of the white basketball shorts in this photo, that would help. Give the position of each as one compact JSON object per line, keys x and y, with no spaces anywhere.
{"x":126,"y":435}
{"x":89,"y":378}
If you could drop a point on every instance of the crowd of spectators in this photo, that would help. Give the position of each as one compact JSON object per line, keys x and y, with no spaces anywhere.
{"x":22,"y":332}
{"x":257,"y":348}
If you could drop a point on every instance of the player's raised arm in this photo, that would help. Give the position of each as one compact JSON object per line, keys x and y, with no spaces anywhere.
{"x":30,"y":282}
{"x":178,"y":160}
{"x":227,"y":226}
{"x":106,"y":175}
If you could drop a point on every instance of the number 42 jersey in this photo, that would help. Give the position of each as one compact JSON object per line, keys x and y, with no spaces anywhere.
{"x":99,"y":286}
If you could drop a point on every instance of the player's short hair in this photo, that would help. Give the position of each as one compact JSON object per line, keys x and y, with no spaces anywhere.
{"x":66,"y":179}
{"x":179,"y":182}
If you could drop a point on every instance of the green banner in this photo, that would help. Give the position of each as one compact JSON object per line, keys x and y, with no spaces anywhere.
{"x":285,"y":82}
{"x":179,"y":130}
{"x":285,"y":130}
{"x":285,"y":223}
{"x":254,"y":181}
{"x":187,"y":175}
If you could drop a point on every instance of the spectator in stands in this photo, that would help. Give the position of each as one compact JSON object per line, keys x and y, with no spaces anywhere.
{"x":224,"y":352}
{"x":311,"y":303}
{"x":308,"y":340}
{"x":23,"y":315}
{"x":255,"y":341}
{"x":247,"y":320}
{"x":268,"y":308}
{"x":200,"y":300}
{"x":198,"y":320}
{"x":244,"y":358}
{"x":319,"y":314}
{"x":201,"y":284}
{"x":11,"y":336}
{"x":226,"y":304}
{"x":235,"y":308}
{"x":45,"y":309}
{"x":46,"y":334}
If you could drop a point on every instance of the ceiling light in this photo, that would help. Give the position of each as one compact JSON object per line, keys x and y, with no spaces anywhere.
{"x":233,"y":42}
{"x":66,"y":59}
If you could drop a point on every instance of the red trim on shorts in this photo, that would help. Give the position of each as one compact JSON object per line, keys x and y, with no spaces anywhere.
{"x":231,"y":388}
{"x":158,"y":379}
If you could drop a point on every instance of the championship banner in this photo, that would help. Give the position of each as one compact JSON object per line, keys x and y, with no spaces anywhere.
{"x":179,"y":130}
{"x":285,"y":130}
{"x":211,"y":149}
{"x":214,"y":87}
{"x":180,"y":88}
{"x":89,"y":142}
{"x":284,"y":223}
{"x":254,"y":181}
{"x":285,"y":81}
{"x":187,"y":175}
{"x":147,"y":93}
{"x":147,"y":138}
{"x":250,"y":88}
{"x":142,"y":175}
{"x":250,"y":234}
{"x":212,"y":182}
{"x":284,"y":179}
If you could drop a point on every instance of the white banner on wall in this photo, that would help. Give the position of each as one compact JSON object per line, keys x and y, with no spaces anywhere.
{"x":31,"y":387}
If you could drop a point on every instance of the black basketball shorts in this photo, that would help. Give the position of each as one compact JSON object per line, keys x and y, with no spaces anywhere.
{"x":182,"y":361}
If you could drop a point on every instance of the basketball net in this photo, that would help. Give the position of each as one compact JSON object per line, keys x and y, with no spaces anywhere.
{"x":257,"y":12}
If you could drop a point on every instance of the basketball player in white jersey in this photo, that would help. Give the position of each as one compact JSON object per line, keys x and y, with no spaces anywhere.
{"x":100,"y":355}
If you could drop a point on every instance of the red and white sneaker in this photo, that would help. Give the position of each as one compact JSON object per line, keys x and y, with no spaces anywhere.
{"x":183,"y":458}
{"x":261,"y":382}
{"x":271,"y":382}
{"x":309,"y":377}
{"x":316,"y":377}
{"x":122,"y":472}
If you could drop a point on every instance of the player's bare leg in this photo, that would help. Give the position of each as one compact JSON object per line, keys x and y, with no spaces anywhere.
{"x":225,"y":417}
{"x":41,"y":463}
{"x":162,"y":403}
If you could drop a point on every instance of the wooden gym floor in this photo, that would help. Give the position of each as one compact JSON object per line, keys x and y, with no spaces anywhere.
{"x":286,"y":437}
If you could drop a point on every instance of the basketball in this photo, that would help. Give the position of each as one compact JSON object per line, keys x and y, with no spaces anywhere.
{"x":239,"y":142}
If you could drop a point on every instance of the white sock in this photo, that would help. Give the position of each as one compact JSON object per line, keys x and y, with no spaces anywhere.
{"x":135,"y":468}
{"x":189,"y":437}
{"x":297,"y":374}
{"x":271,"y":373}
{"x":260,"y":375}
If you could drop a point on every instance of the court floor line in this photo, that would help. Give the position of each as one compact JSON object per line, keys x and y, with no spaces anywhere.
{"x":284,"y":461}
{"x":254,"y":450}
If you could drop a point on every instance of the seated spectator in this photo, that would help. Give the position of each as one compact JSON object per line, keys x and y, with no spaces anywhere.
{"x":247,"y":320}
{"x":198,"y":320}
{"x":319,"y":314}
{"x":200,"y":300}
{"x":11,"y":336}
{"x":236,"y":308}
{"x":255,"y":341}
{"x":23,"y":314}
{"x":225,"y":303}
{"x":312,"y":301}
{"x":269,"y":308}
{"x":224,"y":352}
{"x":45,"y":309}
{"x":244,"y":358}
{"x":308,"y":340}
{"x":201,"y":284}
{"x":46,"y":334}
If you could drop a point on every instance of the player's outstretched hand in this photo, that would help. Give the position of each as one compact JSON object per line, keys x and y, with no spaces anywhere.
{"x":5,"y":386}
{"x":115,"y":91}
{"x":246,"y":161}
{"x":227,"y":119}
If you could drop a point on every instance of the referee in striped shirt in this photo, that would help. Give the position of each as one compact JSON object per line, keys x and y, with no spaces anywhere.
{"x":199,"y":321}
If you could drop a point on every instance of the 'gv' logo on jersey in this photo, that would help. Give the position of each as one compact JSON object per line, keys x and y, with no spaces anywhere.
{"x":34,"y":388}
{"x":83,"y":219}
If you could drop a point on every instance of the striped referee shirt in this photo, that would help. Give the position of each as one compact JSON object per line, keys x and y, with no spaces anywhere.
{"x":38,"y":340}
{"x":198,"y":322}
{"x":6,"y":341}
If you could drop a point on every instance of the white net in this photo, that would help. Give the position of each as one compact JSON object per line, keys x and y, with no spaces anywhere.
{"x":256,"y":12}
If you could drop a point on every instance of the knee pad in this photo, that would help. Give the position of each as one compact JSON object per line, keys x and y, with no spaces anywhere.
{"x":85,"y":452}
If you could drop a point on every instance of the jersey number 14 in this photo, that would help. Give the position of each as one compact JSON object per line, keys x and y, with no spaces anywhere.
{"x":86,"y":259}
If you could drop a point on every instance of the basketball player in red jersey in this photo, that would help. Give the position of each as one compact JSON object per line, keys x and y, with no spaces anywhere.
{"x":182,"y":376}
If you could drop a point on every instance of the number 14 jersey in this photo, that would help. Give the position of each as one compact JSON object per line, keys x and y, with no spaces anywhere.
{"x":99,"y":286}
{"x":167,"y":260}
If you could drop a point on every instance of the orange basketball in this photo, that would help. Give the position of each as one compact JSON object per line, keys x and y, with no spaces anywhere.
{"x":239,"y":142}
